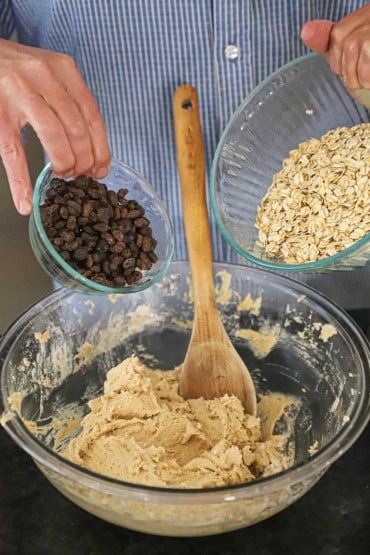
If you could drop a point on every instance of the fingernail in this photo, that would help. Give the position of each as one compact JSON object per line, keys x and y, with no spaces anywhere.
{"x":101,"y":172}
{"x":67,"y":175}
{"x":25,"y":207}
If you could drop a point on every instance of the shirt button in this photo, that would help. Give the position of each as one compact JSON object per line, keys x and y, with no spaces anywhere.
{"x":231,"y":51}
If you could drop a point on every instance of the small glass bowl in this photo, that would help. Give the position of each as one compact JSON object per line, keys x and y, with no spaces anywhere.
{"x":303,"y":99}
{"x":120,"y":176}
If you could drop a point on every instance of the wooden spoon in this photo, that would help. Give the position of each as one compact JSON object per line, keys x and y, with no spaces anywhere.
{"x":212,"y":367}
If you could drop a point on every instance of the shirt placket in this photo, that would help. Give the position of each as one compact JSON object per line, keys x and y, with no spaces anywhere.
{"x":232,"y":55}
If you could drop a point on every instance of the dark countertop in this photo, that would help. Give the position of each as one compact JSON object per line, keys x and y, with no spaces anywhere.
{"x":331,"y":519}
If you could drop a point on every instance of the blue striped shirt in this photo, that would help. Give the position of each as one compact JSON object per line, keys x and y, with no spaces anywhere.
{"x":134,"y":53}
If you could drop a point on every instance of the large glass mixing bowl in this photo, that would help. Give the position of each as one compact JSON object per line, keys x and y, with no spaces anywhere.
{"x":56,"y":355}
{"x":301,"y":100}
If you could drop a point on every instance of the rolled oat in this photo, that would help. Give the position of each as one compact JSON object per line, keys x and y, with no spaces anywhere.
{"x":319,"y":203}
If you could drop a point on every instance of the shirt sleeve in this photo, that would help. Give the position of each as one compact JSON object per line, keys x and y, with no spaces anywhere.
{"x":7,"y":21}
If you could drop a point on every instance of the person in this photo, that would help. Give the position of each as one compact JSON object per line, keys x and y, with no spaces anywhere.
{"x":95,"y":78}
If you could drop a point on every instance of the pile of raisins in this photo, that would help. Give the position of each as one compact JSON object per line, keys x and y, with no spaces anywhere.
{"x":100,"y":233}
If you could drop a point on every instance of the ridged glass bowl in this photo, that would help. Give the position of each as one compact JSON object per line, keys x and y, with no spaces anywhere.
{"x":120,"y":176}
{"x":55,"y":357}
{"x":301,"y":100}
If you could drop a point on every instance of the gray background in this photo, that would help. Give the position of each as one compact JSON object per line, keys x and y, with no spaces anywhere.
{"x":22,"y":280}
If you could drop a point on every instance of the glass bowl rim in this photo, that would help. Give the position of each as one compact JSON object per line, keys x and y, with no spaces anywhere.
{"x":71,"y":272}
{"x":319,"y":462}
{"x":267,"y":264}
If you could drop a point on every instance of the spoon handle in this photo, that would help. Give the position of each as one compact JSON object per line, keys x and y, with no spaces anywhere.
{"x":191,"y":167}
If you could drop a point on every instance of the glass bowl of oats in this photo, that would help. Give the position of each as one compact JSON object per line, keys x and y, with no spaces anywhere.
{"x":290,"y":184}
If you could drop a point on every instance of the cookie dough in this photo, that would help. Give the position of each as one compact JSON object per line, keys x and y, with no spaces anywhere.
{"x":141,"y":431}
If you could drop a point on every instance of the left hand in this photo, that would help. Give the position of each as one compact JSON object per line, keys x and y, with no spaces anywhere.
{"x":346,"y":46}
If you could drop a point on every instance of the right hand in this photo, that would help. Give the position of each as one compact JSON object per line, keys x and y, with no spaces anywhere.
{"x":46,"y":90}
{"x":345,"y":44}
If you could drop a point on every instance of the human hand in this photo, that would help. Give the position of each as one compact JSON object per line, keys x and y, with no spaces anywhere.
{"x":345,"y":44}
{"x":46,"y":90}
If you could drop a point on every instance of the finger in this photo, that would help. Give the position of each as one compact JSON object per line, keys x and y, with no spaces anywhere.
{"x":74,"y":124}
{"x":50,"y":131}
{"x":335,"y":52}
{"x":15,"y":163}
{"x":350,"y":60}
{"x":316,"y":35}
{"x":352,"y":21}
{"x":341,"y":31}
{"x":98,"y":137}
{"x":363,"y":67}
{"x":77,"y":88}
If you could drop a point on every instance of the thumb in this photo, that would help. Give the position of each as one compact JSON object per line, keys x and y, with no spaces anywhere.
{"x":316,"y":35}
